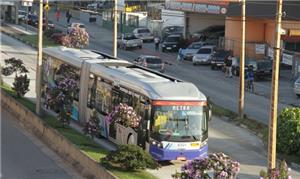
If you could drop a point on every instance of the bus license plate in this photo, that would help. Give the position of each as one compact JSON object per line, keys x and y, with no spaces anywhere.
{"x":195,"y":144}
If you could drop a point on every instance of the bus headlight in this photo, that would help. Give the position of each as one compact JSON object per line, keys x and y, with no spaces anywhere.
{"x":156,"y":143}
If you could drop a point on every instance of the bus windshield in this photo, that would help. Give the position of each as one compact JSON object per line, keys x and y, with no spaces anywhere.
{"x":179,"y":123}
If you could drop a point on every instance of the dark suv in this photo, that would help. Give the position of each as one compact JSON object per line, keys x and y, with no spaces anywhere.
{"x":171,"y":43}
{"x":262,"y":68}
{"x":170,"y":30}
{"x":218,"y":58}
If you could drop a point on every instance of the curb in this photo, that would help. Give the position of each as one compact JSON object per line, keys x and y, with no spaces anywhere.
{"x":20,"y":39}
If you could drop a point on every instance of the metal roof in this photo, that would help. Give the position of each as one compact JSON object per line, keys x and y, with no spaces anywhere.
{"x":123,"y":73}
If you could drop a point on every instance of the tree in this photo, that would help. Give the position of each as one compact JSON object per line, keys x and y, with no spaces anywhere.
{"x":21,"y":81}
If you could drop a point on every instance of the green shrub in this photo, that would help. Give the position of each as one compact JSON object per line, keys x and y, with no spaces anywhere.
{"x":50,"y":32}
{"x":288,"y":134}
{"x":130,"y":157}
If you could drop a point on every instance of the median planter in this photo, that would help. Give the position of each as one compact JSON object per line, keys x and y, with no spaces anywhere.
{"x":86,"y":166}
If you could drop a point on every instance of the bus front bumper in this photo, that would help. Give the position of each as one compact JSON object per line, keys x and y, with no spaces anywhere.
{"x":161,"y":154}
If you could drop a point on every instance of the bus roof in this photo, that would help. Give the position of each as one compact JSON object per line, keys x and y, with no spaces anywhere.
{"x":153,"y":84}
{"x":76,"y":57}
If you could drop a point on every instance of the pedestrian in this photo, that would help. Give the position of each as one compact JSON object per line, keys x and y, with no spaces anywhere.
{"x":228,"y":66}
{"x":69,"y":18}
{"x":156,"y":42}
{"x":180,"y":55}
{"x":57,"y":15}
{"x":250,"y":79}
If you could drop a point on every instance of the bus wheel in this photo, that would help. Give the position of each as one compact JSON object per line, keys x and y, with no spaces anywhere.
{"x":130,"y":139}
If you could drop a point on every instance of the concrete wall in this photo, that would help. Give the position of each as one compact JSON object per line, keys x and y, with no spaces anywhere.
{"x":172,"y":18}
{"x":257,"y":31}
{"x":58,"y":143}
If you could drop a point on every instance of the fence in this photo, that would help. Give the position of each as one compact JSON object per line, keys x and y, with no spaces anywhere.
{"x":253,"y":50}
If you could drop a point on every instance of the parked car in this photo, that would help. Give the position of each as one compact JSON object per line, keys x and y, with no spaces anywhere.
{"x":209,"y":32}
{"x":50,"y":24}
{"x":261,"y":68}
{"x":22,"y":15}
{"x":152,"y":62}
{"x":297,"y":87}
{"x":32,"y":19}
{"x":74,"y":25}
{"x":218,"y":58}
{"x":171,"y":43}
{"x":144,"y":34}
{"x":204,"y":54}
{"x":169,"y":30}
{"x":126,"y":41}
{"x":193,"y":48}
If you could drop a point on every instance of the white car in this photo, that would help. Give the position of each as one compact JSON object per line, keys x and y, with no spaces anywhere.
{"x":203,"y":55}
{"x":144,"y":34}
{"x":126,"y":41}
{"x":193,"y":48}
{"x":74,"y":25}
{"x":22,"y":15}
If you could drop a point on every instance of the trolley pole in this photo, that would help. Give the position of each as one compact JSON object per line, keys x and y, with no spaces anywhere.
{"x":274,"y":96}
{"x":39,"y":61}
{"x":115,"y":29}
{"x":242,"y":61}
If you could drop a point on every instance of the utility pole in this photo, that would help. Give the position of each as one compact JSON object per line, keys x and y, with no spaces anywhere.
{"x":46,"y":14}
{"x":39,"y":61}
{"x":242,"y":62}
{"x":115,"y":29}
{"x":274,"y":96}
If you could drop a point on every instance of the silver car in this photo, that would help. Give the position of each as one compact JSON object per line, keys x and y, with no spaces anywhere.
{"x":126,"y":41}
{"x":297,"y":87}
{"x":203,"y":55}
{"x":144,"y":34}
{"x":152,"y":62}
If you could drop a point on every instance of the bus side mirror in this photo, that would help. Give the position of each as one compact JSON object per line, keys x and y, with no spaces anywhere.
{"x":209,"y":112}
{"x":209,"y":109}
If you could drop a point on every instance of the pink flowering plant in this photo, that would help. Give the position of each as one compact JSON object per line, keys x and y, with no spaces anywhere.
{"x":78,"y":38}
{"x":61,"y":98}
{"x":124,"y":115}
{"x":222,"y":166}
{"x":282,"y":172}
{"x":92,"y":127}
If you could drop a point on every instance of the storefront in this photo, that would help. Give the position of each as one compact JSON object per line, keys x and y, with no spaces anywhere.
{"x":260,"y":30}
{"x":200,"y":14}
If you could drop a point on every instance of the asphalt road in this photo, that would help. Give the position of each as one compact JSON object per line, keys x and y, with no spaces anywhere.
{"x":238,"y":143}
{"x":24,"y":157}
{"x":223,"y":91}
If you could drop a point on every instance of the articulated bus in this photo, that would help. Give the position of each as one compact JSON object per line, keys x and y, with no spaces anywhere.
{"x":174,"y":114}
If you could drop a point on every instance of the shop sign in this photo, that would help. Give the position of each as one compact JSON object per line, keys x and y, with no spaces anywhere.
{"x":271,"y":53}
{"x":287,"y":59}
{"x":174,"y":5}
{"x":196,"y":7}
{"x":200,"y":8}
{"x":187,"y":6}
{"x":213,"y":9}
{"x":259,"y":48}
{"x":27,"y":3}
